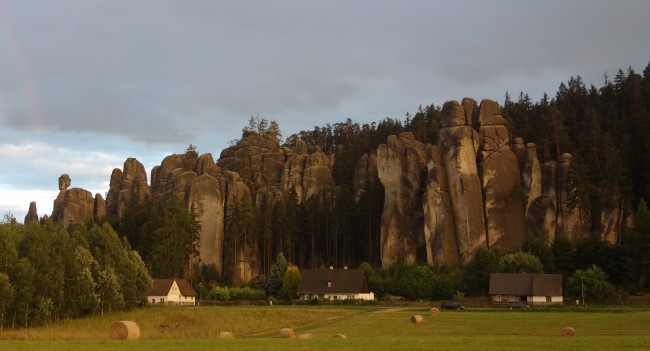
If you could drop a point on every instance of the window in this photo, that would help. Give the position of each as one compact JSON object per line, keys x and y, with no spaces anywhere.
{"x":549,"y":299}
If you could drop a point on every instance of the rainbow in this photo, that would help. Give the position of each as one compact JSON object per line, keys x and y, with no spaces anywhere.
{"x":10,"y":41}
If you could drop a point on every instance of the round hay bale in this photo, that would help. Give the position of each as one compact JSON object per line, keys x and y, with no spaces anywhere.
{"x":287,"y":333}
{"x":568,"y":331}
{"x":434,"y":312}
{"x":226,"y":335}
{"x":416,"y":318}
{"x":340,"y":336}
{"x":124,"y":330}
{"x":305,"y":336}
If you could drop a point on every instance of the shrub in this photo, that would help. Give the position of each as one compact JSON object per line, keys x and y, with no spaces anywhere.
{"x":219,"y":293}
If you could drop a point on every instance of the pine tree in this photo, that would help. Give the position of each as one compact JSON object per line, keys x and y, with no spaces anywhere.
{"x":279,"y":268}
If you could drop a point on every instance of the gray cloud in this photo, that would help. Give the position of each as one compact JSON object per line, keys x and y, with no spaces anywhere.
{"x":144,"y":78}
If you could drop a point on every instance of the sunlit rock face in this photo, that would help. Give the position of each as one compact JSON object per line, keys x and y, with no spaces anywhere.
{"x":401,"y":167}
{"x":459,"y":144}
{"x":500,"y":176}
{"x":439,"y":226}
{"x":75,"y":205}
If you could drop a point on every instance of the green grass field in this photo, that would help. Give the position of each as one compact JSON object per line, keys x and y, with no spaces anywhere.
{"x":366,"y":328}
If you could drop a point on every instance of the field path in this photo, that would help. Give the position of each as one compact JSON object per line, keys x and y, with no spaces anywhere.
{"x":397,"y":309}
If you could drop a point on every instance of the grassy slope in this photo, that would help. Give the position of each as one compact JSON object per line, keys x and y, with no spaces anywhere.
{"x":258,"y":328}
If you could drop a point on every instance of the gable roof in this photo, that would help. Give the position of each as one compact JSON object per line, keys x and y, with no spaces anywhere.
{"x":352,"y":281}
{"x":524,"y":284}
{"x":161,"y":287}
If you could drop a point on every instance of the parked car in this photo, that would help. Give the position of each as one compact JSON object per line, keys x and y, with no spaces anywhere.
{"x":517,"y":305}
{"x":451,"y":305}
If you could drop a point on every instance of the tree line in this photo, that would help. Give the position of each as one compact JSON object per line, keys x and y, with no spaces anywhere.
{"x":50,"y":273}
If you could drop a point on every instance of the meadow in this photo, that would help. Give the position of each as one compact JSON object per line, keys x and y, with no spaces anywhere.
{"x":366,"y":328}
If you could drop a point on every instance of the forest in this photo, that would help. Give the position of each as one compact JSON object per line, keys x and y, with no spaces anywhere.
{"x":49,"y":272}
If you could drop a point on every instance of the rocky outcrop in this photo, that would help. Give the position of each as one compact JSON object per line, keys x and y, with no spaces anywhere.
{"x":309,"y":175}
{"x":401,"y":163}
{"x":366,"y":169}
{"x":257,"y":158}
{"x":76,"y":205}
{"x":113,"y":194}
{"x":531,"y":174}
{"x":99,"y":210}
{"x":64,"y":182}
{"x":573,"y":221}
{"x":458,"y":147}
{"x":439,"y":225}
{"x":612,"y":212}
{"x":205,"y":196}
{"x":481,"y":190}
{"x":500,"y":175}
{"x":127,"y":186}
{"x":198,"y":181}
{"x":541,"y":214}
{"x":245,"y":265}
{"x":32,"y":214}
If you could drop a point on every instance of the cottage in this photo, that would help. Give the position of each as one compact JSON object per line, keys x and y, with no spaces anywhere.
{"x":171,"y":292}
{"x":535,"y":289}
{"x":334,"y":284}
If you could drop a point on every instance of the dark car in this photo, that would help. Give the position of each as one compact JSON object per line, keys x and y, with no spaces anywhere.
{"x":451,"y":305}
{"x":518,"y":305}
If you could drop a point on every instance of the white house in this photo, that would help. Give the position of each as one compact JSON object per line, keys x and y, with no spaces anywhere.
{"x":535,"y":289}
{"x":334,"y":284}
{"x":171,"y":292}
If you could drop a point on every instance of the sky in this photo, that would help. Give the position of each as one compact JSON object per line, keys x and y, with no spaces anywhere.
{"x":86,"y":84}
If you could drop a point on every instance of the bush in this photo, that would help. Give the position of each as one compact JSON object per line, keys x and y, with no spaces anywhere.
{"x":220,"y":294}
{"x":592,"y":283}
{"x":236,"y":294}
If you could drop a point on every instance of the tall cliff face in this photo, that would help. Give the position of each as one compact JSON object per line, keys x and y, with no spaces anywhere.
{"x":126,"y":186}
{"x":480,"y":190}
{"x":400,"y":165}
{"x":309,"y":174}
{"x":254,"y":172}
{"x":200,"y":182}
{"x":500,"y":181}
{"x":439,"y":225}
{"x":366,"y":169}
{"x":459,"y":144}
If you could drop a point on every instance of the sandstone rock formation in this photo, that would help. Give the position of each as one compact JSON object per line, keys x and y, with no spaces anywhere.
{"x":76,"y":205}
{"x":32,"y":214}
{"x":257,"y":158}
{"x":459,"y":146}
{"x":126,"y":186}
{"x":500,"y":181}
{"x":439,"y":226}
{"x":205,"y":196}
{"x":365,"y":169}
{"x":196,"y":180}
{"x":479,"y":191}
{"x":64,"y":182}
{"x":99,"y":211}
{"x":400,"y":165}
{"x":612,"y":218}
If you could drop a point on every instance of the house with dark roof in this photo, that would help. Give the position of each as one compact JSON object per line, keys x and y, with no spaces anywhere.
{"x":334,"y":284}
{"x":535,"y":289}
{"x":171,"y":292}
